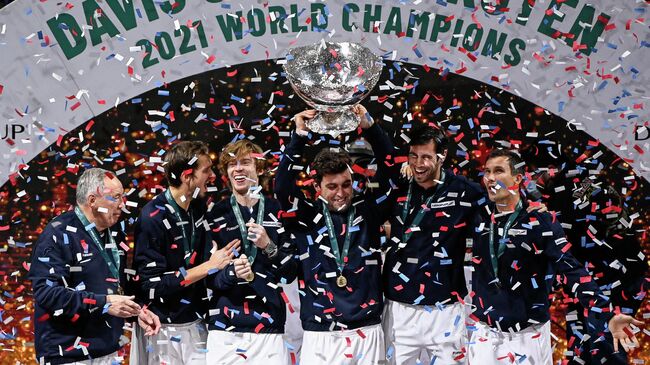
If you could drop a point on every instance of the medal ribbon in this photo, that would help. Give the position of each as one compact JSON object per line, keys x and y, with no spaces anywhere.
{"x":188,"y":245}
{"x":418,"y":218}
{"x":502,"y":243}
{"x":114,"y":262}
{"x":249,"y":248}
{"x":332,"y":235}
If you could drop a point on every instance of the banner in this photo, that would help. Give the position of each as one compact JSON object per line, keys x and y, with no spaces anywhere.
{"x":67,"y":62}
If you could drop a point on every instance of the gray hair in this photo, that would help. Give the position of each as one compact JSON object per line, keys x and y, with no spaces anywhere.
{"x":91,"y":182}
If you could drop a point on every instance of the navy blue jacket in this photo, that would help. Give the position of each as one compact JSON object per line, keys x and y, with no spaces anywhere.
{"x":536,"y":253}
{"x":428,"y":269}
{"x":70,"y":280}
{"x":160,"y":261}
{"x":237,"y":305}
{"x":324,"y":305}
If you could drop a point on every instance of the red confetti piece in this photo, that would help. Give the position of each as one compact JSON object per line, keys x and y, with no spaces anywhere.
{"x":566,"y":248}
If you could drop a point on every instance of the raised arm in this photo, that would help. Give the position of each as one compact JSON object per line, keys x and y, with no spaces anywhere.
{"x":382,"y":196}
{"x":578,"y":280}
{"x":285,"y":188}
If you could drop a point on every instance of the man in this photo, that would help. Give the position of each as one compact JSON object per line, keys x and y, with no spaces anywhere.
{"x":171,"y":240}
{"x":78,"y":278}
{"x":593,"y":215}
{"x":338,"y":245}
{"x":517,"y":257}
{"x":431,"y":224}
{"x":247,"y":309}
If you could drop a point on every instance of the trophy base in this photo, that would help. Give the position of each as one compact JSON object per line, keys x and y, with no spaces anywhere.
{"x":334,"y":123}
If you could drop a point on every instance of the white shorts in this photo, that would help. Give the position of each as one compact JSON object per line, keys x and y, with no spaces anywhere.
{"x":247,"y":348}
{"x":417,"y":334}
{"x":293,"y":326}
{"x":104,"y":360}
{"x":361,"y":346}
{"x":177,"y":344}
{"x":531,"y":346}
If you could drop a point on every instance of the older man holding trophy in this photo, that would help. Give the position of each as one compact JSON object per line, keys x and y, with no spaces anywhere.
{"x":337,"y":235}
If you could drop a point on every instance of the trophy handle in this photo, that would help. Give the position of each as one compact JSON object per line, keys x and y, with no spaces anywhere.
{"x":334,"y":123}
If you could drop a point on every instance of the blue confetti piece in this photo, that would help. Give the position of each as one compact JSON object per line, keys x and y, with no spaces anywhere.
{"x":418,"y":299}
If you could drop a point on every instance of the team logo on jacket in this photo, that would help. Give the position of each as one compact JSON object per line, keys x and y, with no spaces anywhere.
{"x":517,"y":232}
{"x":446,"y":204}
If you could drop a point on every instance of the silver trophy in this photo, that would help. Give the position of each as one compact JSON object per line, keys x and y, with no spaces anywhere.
{"x":331,"y":78}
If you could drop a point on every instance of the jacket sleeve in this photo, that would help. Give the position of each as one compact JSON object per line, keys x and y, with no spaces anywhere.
{"x":383,"y":196}
{"x":572,"y":274}
{"x":285,"y":189}
{"x":151,"y":262}
{"x":284,"y":262}
{"x":50,"y":273}
{"x":223,"y":279}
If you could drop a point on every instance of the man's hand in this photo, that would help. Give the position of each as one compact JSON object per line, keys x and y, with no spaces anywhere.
{"x":222,"y":257}
{"x":406,"y":171}
{"x":619,"y":325}
{"x":149,"y":322}
{"x":300,"y":118}
{"x":242,"y":267}
{"x":257,"y":234}
{"x":122,"y":306}
{"x":362,"y":113}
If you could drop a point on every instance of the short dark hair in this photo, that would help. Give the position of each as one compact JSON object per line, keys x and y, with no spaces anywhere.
{"x":422,"y":134}
{"x":178,"y":158}
{"x":516,"y":162}
{"x":329,"y":162}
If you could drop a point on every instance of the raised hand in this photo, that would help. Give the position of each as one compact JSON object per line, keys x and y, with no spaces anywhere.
{"x":300,"y":118}
{"x":362,"y":113}
{"x":621,"y":330}
{"x":257,"y":234}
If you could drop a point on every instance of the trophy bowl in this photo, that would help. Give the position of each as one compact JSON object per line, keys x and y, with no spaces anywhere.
{"x":331,"y":78}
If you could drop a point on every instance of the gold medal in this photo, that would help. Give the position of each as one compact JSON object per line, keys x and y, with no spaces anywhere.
{"x":341,"y":281}
{"x":250,"y":277}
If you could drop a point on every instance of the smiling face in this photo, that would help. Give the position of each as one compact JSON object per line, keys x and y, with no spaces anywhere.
{"x":107,"y":205}
{"x":425,"y":164}
{"x":201,"y":176}
{"x":337,"y":190}
{"x":242,"y":173}
{"x":499,"y":180}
